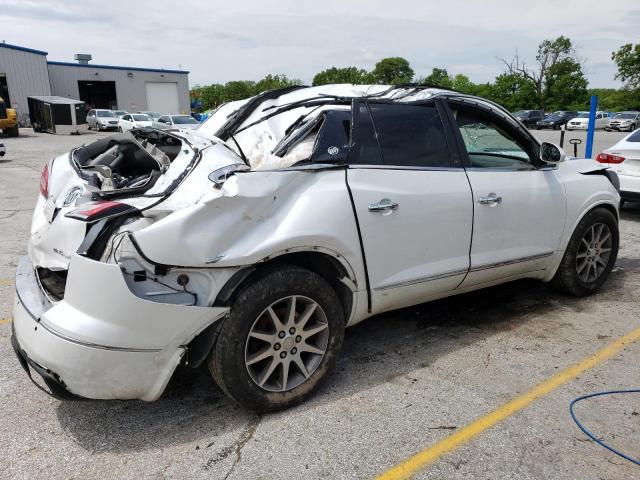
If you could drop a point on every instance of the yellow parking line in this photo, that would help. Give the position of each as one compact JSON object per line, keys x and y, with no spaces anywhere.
{"x":5,"y":282}
{"x":4,"y":321}
{"x":431,"y":454}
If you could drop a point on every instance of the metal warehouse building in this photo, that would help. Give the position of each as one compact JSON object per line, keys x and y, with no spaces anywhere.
{"x":23,"y":72}
{"x":26,"y":72}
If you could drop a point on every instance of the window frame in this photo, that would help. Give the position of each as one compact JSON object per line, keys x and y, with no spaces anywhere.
{"x":453,"y":157}
{"x":529,"y":144}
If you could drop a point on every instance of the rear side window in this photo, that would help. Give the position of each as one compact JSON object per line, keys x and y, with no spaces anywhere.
{"x":410,"y":135}
{"x":635,"y":137}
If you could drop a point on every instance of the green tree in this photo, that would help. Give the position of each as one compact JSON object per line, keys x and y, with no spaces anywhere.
{"x":354,"y":75}
{"x":212,"y":96}
{"x":566,"y":86}
{"x":272,"y":82}
{"x":439,"y":77}
{"x":238,"y":89}
{"x":554,"y":61}
{"x":462,"y":84}
{"x":627,"y":59}
{"x":513,"y":91}
{"x":392,"y":71}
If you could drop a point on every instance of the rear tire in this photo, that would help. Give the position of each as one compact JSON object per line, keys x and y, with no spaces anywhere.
{"x":253,"y":347}
{"x":590,"y":255}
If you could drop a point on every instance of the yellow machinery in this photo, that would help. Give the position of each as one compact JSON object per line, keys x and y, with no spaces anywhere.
{"x":8,"y":120}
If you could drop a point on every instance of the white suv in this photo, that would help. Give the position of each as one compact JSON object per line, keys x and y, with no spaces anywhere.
{"x":253,"y":241}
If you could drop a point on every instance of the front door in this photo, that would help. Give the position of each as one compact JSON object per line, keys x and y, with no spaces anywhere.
{"x":413,"y":206}
{"x":519,"y":204}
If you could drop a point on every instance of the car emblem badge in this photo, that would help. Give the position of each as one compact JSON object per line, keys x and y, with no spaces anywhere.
{"x":72,"y":196}
{"x":333,"y":150}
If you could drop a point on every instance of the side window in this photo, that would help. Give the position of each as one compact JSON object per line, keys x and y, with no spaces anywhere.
{"x":127,"y":118}
{"x":368,"y":150}
{"x":488,"y":144}
{"x":410,"y":135}
{"x":91,"y":113}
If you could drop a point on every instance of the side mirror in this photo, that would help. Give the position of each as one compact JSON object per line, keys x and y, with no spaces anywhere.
{"x":550,"y":153}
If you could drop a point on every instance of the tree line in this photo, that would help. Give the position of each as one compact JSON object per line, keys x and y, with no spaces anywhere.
{"x":553,"y":80}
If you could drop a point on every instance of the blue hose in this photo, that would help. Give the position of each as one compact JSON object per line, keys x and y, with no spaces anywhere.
{"x":589,"y":434}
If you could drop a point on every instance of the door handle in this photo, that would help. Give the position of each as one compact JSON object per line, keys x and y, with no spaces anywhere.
{"x":385,"y":205}
{"x":492,"y":199}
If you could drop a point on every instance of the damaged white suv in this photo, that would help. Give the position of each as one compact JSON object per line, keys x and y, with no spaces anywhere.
{"x":253,"y":241}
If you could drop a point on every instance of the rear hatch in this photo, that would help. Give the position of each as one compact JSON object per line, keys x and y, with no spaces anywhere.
{"x":108,"y":177}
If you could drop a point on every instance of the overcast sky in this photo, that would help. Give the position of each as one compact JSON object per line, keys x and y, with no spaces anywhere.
{"x":246,"y":39}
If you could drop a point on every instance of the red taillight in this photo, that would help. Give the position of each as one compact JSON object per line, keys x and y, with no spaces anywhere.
{"x":609,"y":158}
{"x":44,"y":181}
{"x":92,"y":211}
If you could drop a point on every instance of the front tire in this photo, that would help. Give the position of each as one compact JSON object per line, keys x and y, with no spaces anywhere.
{"x":283,"y":336}
{"x":590,"y":255}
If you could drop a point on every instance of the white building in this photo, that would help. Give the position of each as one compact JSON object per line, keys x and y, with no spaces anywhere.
{"x":26,"y":72}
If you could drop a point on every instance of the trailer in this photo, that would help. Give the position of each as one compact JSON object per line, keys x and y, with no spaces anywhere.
{"x":57,"y":114}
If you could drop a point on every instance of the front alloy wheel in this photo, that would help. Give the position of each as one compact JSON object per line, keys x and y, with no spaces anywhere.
{"x":594,"y":251}
{"x":590,"y":255}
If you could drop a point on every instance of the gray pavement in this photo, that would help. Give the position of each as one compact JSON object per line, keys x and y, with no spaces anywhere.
{"x":405,"y":380}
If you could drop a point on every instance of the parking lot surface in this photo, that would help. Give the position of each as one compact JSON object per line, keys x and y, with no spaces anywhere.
{"x":405,"y":381}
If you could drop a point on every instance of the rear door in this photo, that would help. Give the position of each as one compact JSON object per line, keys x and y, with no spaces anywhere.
{"x":412,"y":201}
{"x":519,"y":204}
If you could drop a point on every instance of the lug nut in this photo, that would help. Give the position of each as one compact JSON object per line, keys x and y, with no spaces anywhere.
{"x":294,"y":350}
{"x":298,"y":338}
{"x":281,"y":334}
{"x":276,"y":346}
{"x":283,"y":354}
{"x":292,"y":330}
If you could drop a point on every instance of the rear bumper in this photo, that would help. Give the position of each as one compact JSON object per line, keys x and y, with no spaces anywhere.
{"x":629,"y":187}
{"x":89,"y":353}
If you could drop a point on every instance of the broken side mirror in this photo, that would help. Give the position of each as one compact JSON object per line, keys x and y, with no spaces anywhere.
{"x":550,"y":153}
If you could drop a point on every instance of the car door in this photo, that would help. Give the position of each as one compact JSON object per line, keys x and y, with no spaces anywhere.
{"x":519,"y":203}
{"x":412,"y":202}
{"x":91,"y":118}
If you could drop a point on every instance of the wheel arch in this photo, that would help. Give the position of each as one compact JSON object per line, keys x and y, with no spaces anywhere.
{"x":326,"y":263}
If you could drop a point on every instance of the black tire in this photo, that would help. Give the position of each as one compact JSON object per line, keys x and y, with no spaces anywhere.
{"x":566,"y":278}
{"x":12,"y":132}
{"x":632,"y":127}
{"x":227,"y":359}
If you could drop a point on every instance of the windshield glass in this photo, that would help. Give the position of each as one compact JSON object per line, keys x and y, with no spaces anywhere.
{"x":625,"y":115}
{"x":520,"y":113}
{"x":183,"y":120}
{"x":583,"y":115}
{"x":141,"y":118}
{"x":120,"y":112}
{"x":105,"y":113}
{"x":153,"y":114}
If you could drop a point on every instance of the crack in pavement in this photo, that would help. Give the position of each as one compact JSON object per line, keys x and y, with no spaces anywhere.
{"x":246,"y":435}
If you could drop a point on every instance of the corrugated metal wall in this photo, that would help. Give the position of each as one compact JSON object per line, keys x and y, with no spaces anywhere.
{"x":130,"y":89}
{"x":27,"y":75}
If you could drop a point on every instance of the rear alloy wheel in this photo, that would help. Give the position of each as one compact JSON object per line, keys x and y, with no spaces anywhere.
{"x":590,"y":255}
{"x":283,"y":335}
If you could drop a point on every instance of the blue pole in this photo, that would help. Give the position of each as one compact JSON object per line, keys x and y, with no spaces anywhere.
{"x":592,"y":126}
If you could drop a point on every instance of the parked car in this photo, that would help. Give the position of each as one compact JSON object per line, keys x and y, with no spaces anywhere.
{"x":555,"y":120}
{"x":529,"y":117}
{"x":134,"y":120}
{"x":176,"y":121}
{"x":3,"y":150}
{"x":154,"y":115}
{"x":252,"y":242}
{"x":581,"y":122}
{"x":624,"y":121}
{"x":120,"y":113}
{"x":624,"y":159}
{"x":102,"y":119}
